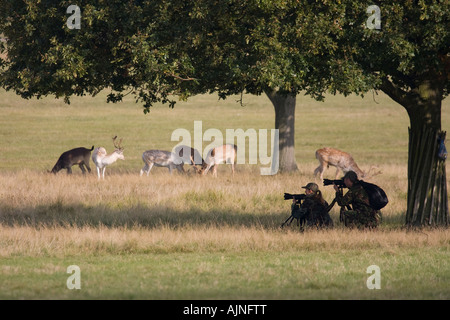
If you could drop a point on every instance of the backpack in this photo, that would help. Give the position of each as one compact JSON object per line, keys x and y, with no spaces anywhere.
{"x":377,"y":197}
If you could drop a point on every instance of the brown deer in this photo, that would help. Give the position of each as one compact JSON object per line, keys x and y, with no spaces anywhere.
{"x":222,"y":154}
{"x":190,"y":156}
{"x":102,"y":159}
{"x":79,"y":156}
{"x":341,"y":160}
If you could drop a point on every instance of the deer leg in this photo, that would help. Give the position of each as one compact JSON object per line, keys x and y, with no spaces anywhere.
{"x":103,"y":172}
{"x":207,"y":169}
{"x":145,"y":169}
{"x":69,"y":170}
{"x":318,"y":170}
{"x":150,"y":166}
{"x":98,"y":172}
{"x":322,"y":169}
{"x":82,"y":168}
{"x":337,"y":172}
{"x":231,"y":161}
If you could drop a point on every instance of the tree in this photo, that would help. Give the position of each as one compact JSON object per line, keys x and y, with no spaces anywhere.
{"x":158,"y":49}
{"x":411,"y":61}
{"x":282,"y":48}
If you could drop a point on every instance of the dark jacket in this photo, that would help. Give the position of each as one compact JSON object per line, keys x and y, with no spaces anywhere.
{"x":316,"y":212}
{"x":356,"y":197}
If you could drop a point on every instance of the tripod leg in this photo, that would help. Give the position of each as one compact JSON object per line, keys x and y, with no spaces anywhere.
{"x":286,"y":221}
{"x":292,"y":219}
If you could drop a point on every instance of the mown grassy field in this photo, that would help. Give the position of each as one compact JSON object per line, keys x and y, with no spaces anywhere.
{"x":189,"y":237}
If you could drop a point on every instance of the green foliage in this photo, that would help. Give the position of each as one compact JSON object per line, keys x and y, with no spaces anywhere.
{"x":156,"y":48}
{"x":411,"y":47}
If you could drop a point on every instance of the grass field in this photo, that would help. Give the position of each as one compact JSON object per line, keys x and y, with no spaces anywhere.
{"x":189,"y":237}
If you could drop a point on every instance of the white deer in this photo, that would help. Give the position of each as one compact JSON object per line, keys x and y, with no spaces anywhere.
{"x":102,"y":159}
{"x":161,"y":158}
{"x":222,"y":154}
{"x":341,"y":160}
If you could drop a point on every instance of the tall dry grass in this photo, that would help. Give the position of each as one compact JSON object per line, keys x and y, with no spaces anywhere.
{"x":124,"y":199}
{"x":61,"y":215}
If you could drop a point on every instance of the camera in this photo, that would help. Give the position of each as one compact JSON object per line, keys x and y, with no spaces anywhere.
{"x":288,"y":196}
{"x":339,"y":183}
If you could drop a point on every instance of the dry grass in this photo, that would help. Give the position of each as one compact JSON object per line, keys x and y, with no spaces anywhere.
{"x":31,"y":197}
{"x":82,"y":241}
{"x":44,"y":214}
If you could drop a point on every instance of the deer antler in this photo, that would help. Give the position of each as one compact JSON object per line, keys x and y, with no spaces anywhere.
{"x":118,"y":145}
{"x":375,"y":173}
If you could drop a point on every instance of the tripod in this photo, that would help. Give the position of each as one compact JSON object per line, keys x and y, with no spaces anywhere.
{"x":289,"y":220}
{"x":296,"y":213}
{"x":341,"y":211}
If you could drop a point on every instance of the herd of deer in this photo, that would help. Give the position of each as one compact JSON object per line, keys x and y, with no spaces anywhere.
{"x":183,"y":154}
{"x":172,"y":160}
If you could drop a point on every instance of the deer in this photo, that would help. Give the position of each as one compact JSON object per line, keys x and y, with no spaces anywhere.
{"x":222,"y":154}
{"x":341,"y":160}
{"x":190,"y":156}
{"x":161,"y":158}
{"x":79,"y":156}
{"x":102,"y":159}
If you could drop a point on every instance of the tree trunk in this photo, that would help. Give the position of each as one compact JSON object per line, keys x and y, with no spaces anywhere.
{"x":285,"y":122}
{"x":427,"y":183}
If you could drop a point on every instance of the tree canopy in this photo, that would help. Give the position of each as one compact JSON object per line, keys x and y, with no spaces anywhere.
{"x":162,"y":48}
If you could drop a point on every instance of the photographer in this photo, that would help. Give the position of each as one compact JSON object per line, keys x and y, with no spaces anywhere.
{"x":314,"y":207}
{"x":362,"y":213}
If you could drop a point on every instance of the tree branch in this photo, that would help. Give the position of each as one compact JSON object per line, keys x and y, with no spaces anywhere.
{"x":398,"y":95}
{"x":180,"y":78}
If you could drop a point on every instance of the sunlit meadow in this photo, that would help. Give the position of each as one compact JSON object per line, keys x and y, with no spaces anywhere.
{"x":189,"y":237}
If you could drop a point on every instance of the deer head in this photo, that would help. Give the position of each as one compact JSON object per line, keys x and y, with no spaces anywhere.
{"x":373,"y":171}
{"x":118,"y":146}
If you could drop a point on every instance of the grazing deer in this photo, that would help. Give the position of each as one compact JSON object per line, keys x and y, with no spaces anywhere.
{"x":190,"y":156}
{"x":102,"y":159}
{"x":222,"y":154}
{"x":79,"y":156}
{"x":341,"y":160}
{"x":161,"y":158}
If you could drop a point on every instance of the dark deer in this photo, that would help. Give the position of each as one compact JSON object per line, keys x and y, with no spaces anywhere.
{"x":190,"y":156}
{"x":79,"y":156}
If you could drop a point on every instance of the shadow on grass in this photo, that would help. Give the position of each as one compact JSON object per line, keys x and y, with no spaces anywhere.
{"x":59,"y":214}
{"x":65,"y":215}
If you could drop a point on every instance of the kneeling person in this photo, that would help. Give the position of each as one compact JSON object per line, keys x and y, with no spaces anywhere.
{"x":315,"y":207}
{"x":362,"y":214}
